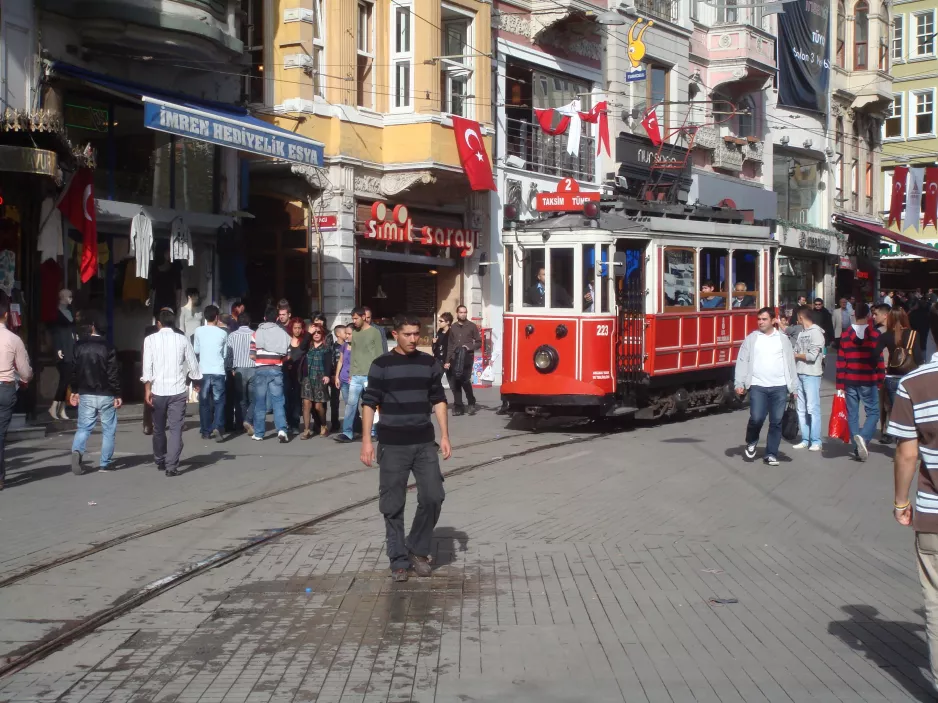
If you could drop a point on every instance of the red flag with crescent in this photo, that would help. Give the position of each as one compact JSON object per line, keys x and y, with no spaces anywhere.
{"x":650,"y":123}
{"x":472,"y":155}
{"x":77,"y":204}
{"x":899,"y":177}
{"x":931,"y":197}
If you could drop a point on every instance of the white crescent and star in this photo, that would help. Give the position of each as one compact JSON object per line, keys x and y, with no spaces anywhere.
{"x":86,"y":198}
{"x":478,"y":152}
{"x":933,"y":187}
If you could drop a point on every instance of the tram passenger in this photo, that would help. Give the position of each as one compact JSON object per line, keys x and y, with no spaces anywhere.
{"x":708,"y":297}
{"x":534,"y":296}
{"x":740,"y":299}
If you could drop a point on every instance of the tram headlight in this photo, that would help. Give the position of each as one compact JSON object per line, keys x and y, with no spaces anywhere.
{"x":546,"y":358}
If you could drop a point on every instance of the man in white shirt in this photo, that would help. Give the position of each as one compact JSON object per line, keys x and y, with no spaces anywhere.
{"x":766,"y":367}
{"x":168,"y":360}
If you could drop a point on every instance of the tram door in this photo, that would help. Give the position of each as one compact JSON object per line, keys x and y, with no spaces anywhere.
{"x":629,"y":265}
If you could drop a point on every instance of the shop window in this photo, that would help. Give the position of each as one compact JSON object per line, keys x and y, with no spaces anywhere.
{"x":509,"y":277}
{"x":402,"y":58}
{"x":679,"y":280}
{"x":366,"y":55}
{"x":713,"y":294}
{"x":796,"y":278}
{"x":745,"y":278}
{"x":534,"y":278}
{"x":456,"y":63}
{"x":861,"y":35}
{"x":194,"y":170}
{"x":561,"y":278}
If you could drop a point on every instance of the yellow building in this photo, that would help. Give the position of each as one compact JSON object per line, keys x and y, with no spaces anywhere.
{"x":376,"y":83}
{"x":910,"y":134}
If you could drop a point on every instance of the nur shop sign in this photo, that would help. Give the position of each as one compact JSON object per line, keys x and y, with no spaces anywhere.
{"x":400,"y":228}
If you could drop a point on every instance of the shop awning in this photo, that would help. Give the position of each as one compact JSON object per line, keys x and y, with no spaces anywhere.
{"x":204,"y":120}
{"x":906,"y":244}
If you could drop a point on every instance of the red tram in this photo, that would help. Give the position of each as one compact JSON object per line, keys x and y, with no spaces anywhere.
{"x":631,"y":311}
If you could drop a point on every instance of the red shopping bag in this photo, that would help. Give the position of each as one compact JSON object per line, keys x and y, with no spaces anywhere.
{"x":838,"y":427}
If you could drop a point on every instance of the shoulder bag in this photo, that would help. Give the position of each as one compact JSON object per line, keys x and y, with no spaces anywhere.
{"x":902,"y":360}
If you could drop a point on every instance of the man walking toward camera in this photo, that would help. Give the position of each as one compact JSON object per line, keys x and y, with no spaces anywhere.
{"x":96,"y":390}
{"x":463,"y":341}
{"x":860,"y":372}
{"x":168,"y":362}
{"x":14,"y":370}
{"x":766,"y":368}
{"x":366,"y":347}
{"x":407,"y":385}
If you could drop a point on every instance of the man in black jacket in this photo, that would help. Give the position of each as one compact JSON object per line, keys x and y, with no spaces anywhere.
{"x":827,"y":320}
{"x":96,"y":390}
{"x":464,"y":340}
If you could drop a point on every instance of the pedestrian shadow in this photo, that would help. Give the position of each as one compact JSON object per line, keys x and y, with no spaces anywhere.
{"x":681,"y":440}
{"x":835,"y":449}
{"x":15,"y":479}
{"x":200,"y":461}
{"x":740,"y":453}
{"x":896,"y":648}
{"x":448,"y":541}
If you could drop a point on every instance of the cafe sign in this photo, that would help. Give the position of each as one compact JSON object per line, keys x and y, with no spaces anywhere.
{"x":397,"y":226}
{"x":815,"y":242}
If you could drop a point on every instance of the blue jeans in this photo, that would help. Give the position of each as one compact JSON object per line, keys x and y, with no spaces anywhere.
{"x":268,"y":384}
{"x":766,"y":401}
{"x":809,"y":408}
{"x":869,"y":396}
{"x":90,"y":408}
{"x":244,"y":395}
{"x":356,"y":386}
{"x":212,"y":390}
{"x":891,"y":384}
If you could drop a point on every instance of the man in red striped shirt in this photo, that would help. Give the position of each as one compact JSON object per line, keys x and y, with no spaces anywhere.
{"x":860,"y":372}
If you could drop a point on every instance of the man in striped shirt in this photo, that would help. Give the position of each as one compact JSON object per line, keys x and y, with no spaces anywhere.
{"x":914,"y":424}
{"x":242,"y":372}
{"x":168,"y":361}
{"x":269,"y":345}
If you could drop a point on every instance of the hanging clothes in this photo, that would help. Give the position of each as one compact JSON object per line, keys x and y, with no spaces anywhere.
{"x":50,"y":230}
{"x":180,"y":242}
{"x":141,"y":243}
{"x":573,"y":138}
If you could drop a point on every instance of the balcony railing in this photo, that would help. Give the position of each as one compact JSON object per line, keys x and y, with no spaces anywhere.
{"x":543,"y":153}
{"x":660,"y":9}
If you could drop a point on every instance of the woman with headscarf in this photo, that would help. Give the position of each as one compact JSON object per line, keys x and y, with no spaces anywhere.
{"x":63,"y":337}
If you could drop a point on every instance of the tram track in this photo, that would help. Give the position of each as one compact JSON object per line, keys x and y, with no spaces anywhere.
{"x":70,"y":633}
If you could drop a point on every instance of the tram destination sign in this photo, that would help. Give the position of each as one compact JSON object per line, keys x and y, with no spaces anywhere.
{"x":567,"y":198}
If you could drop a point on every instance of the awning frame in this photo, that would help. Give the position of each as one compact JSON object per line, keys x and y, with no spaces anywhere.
{"x":906,"y":244}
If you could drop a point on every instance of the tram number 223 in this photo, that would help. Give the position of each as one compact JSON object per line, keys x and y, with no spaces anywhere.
{"x":602,"y":330}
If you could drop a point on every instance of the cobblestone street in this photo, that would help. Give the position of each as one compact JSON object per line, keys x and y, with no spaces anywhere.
{"x":592,"y":572}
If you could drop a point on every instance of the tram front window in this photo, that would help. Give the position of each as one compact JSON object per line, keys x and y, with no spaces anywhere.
{"x":535,"y":282}
{"x":561,"y":278}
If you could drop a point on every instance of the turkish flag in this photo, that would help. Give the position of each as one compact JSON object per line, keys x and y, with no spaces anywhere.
{"x":650,"y":123}
{"x":899,"y":177}
{"x":472,"y":155}
{"x":551,"y":121}
{"x":931,"y":197}
{"x":599,"y":114}
{"x":77,"y":204}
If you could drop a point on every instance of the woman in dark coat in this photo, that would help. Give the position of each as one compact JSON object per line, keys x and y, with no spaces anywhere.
{"x":442,"y":337}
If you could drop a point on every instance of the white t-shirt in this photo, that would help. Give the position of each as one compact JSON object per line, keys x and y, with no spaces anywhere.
{"x":768,"y":361}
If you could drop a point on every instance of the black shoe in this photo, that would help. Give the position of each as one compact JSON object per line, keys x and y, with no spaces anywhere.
{"x":399,"y":575}
{"x":342,"y":439}
{"x":502,"y":410}
{"x":885,"y":439}
{"x":161,"y":467}
{"x":458,"y":410}
{"x":206,"y":437}
{"x":77,"y":467}
{"x":172,"y":472}
{"x":473,"y":408}
{"x":421,"y":565}
{"x":217,"y":436}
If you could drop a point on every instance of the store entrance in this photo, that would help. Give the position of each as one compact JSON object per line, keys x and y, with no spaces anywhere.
{"x":392,"y":287}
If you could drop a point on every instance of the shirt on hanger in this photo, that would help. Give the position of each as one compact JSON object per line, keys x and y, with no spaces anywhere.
{"x":180,"y":242}
{"x":141,"y":243}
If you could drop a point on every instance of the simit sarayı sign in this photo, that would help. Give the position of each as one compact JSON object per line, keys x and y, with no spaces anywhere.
{"x":400,"y":228}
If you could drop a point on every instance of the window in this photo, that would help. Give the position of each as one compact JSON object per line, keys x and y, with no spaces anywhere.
{"x":680,"y":283}
{"x":253,"y":37}
{"x":596,"y":278}
{"x":898,"y":48}
{"x":318,"y":45}
{"x":841,"y":154}
{"x":892,"y":127}
{"x":366,"y":55}
{"x":605,"y":276}
{"x":695,"y":9}
{"x":868,"y":187}
{"x":925,"y":33}
{"x":456,"y":64}
{"x":654,"y":90}
{"x":535,"y":280}
{"x":745,"y":290}
{"x":861,"y":35}
{"x":713,"y":279}
{"x":402,"y":58}
{"x":727,"y":12}
{"x":855,"y":184}
{"x":509,"y":277}
{"x":746,"y":118}
{"x":923,"y":121}
{"x":561,"y":278}
{"x":841,"y":34}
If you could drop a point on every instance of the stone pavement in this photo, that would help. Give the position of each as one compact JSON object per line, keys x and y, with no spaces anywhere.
{"x":580,"y":573}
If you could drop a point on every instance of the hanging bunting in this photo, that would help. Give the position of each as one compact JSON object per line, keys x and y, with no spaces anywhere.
{"x":898,"y":195}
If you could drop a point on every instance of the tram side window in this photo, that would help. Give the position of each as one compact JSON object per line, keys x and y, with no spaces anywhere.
{"x":561,"y":278}
{"x":605,"y":268}
{"x":713,"y":295}
{"x":534,"y":278}
{"x":680,"y":283}
{"x":595,"y":297}
{"x":745,"y":270}
{"x":509,"y":273}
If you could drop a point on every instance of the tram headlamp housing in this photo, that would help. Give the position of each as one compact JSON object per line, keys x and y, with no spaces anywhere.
{"x":546,"y":358}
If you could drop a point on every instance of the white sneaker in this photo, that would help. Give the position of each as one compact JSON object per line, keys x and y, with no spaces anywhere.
{"x":814,"y":448}
{"x":284,"y":437}
{"x":770,"y":460}
{"x":862,"y":452}
{"x":801,"y":445}
{"x":256,"y":438}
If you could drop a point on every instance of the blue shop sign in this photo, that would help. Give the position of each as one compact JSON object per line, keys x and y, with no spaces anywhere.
{"x":244,"y":133}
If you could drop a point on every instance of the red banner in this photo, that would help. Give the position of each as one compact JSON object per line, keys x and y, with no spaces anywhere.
{"x":78,"y":206}
{"x":599,"y":114}
{"x":650,"y":123}
{"x":899,"y":177}
{"x":472,"y":154}
{"x":931,"y":197}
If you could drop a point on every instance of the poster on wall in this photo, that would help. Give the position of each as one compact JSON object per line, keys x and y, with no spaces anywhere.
{"x":804,"y":67}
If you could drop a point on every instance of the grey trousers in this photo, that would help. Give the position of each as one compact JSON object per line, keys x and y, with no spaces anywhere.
{"x":396,"y":464}
{"x":169,"y":414}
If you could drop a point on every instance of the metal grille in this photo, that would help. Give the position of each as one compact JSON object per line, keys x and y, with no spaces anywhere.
{"x":661,"y":9}
{"x":630,"y":297}
{"x":547,"y":154}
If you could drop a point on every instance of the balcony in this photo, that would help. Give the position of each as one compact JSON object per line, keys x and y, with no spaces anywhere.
{"x":728,"y":156}
{"x":546,"y":154}
{"x":739,"y":53}
{"x":707,"y":138}
{"x":873,"y":90}
{"x":659,"y":9}
{"x":752,"y":151}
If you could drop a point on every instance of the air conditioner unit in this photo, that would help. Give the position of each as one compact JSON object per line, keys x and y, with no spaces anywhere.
{"x":298,"y":14}
{"x":297,"y":60}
